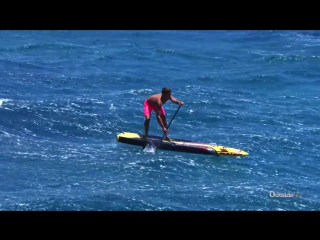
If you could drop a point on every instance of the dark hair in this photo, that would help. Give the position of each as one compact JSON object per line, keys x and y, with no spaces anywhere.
{"x":166,"y":90}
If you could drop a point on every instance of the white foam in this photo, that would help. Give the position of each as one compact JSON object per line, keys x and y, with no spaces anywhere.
{"x":3,"y":100}
{"x":150,"y":149}
{"x":112,"y":107}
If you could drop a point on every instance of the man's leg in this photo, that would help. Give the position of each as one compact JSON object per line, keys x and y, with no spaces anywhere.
{"x":164,"y":120}
{"x":147,"y":115}
{"x":146,"y":125}
{"x":146,"y":129}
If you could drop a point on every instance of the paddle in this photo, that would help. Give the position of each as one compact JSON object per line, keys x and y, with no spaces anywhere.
{"x":168,"y":127}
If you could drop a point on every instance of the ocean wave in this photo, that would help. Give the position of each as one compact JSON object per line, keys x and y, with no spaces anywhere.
{"x":191,"y":55}
{"x":280,"y":57}
{"x":63,"y":117}
{"x":44,"y":46}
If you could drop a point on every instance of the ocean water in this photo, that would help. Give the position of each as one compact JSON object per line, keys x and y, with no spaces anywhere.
{"x":65,"y":95}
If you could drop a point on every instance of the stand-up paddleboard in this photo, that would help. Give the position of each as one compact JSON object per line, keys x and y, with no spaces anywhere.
{"x":179,"y":145}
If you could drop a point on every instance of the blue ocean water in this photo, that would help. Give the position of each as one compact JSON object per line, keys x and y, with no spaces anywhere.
{"x":65,"y":95}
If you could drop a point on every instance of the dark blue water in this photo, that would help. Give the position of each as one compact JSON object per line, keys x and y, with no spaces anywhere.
{"x":65,"y":95}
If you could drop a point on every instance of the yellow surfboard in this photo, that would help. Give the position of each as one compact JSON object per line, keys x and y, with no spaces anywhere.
{"x":179,"y":145}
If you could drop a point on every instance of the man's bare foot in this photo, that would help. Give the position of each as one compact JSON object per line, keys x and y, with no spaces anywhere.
{"x":168,"y":139}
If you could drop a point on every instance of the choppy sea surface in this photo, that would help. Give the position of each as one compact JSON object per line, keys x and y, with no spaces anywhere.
{"x":65,"y":95}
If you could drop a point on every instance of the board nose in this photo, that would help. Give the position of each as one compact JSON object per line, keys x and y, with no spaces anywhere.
{"x":244,"y":153}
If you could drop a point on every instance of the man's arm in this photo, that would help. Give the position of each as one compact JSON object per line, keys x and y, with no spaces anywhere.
{"x":173,"y":99}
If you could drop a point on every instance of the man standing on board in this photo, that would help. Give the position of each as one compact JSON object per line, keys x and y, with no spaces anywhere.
{"x":155,"y":103}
